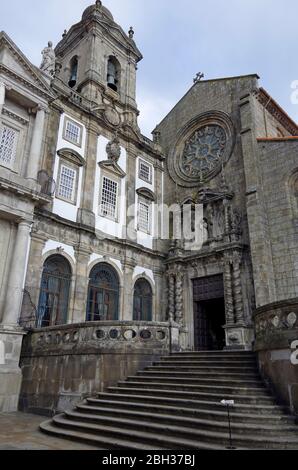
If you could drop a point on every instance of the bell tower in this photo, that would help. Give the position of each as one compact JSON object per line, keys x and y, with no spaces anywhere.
{"x":97,"y":59}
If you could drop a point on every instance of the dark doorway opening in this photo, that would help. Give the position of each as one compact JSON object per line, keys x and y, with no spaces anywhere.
{"x":209,"y":313}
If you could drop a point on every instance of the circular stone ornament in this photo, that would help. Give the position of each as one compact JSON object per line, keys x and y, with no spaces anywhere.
{"x":112,"y":117}
{"x":203,"y":147}
{"x":291,"y":319}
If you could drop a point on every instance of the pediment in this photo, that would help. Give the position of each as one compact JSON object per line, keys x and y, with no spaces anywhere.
{"x":14,"y":62}
{"x":146,"y":193}
{"x":72,"y":156}
{"x":112,"y":167}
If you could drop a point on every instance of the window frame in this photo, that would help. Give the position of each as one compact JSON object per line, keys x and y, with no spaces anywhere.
{"x":150,"y":166}
{"x":145,"y":201}
{"x":69,"y":120}
{"x":15,"y":164}
{"x":66,"y":164}
{"x":116,"y":180}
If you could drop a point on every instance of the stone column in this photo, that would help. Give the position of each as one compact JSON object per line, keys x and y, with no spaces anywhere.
{"x":36,"y":144}
{"x":179,"y":297}
{"x":237,"y":287}
{"x":229,"y":304}
{"x":16,"y":276}
{"x":126,"y":313}
{"x":81,"y":285}
{"x":171,"y":281}
{"x":2,"y":96}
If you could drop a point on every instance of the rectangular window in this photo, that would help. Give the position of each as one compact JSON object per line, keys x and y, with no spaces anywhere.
{"x":72,"y":132}
{"x":8,"y":144}
{"x":144,"y":216}
{"x":145,"y":171}
{"x":108,"y":198}
{"x":67,"y":183}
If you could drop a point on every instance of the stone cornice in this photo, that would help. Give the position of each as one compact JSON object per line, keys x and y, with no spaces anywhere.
{"x":276,"y":111}
{"x":30,"y":86}
{"x":23,"y":191}
{"x":15,"y":117}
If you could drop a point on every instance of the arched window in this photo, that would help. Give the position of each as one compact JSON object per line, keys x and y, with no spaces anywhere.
{"x":54,"y":292}
{"x":142,"y":301}
{"x":113,"y":73}
{"x":103,"y":294}
{"x":73,"y":72}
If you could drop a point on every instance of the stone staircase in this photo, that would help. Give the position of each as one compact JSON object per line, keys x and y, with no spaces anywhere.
{"x":175,"y":404}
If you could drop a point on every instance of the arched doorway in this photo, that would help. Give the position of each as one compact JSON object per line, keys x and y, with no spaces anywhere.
{"x":142,"y":301}
{"x":54,"y":292}
{"x":103,"y":294}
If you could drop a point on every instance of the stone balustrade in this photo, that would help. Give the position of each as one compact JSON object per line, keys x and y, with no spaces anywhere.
{"x":61,"y":365}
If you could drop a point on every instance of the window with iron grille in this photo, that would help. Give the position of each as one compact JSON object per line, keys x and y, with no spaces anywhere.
{"x":72,"y":132}
{"x":144,"y":216}
{"x":67,"y":183}
{"x":145,"y":171}
{"x":108,"y":198}
{"x":8,"y":144}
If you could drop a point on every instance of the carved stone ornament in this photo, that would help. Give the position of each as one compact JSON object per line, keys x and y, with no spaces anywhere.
{"x":112,"y":117}
{"x":291,"y":319}
{"x":113,"y":149}
{"x":204,"y":145}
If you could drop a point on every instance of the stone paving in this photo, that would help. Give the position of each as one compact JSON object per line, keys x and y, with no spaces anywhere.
{"x":19,"y":431}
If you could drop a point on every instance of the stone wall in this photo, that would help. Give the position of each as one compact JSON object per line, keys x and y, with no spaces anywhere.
{"x":62,"y":365}
{"x":276,"y":341}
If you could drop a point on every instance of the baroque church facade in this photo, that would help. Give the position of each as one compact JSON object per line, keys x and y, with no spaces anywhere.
{"x":91,"y":290}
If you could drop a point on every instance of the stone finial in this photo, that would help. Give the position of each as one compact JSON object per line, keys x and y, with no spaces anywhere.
{"x":48,"y":60}
{"x":98,"y":4}
{"x":64,"y":33}
{"x":131,"y":33}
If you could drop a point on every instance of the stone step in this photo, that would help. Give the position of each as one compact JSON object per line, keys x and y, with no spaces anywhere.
{"x":181,"y":385}
{"x":197,"y":380}
{"x":204,"y":362}
{"x":129,"y":395}
{"x":100,"y":441}
{"x":134,"y":439}
{"x":184,"y":391}
{"x":201,"y":374}
{"x":98,"y":405}
{"x":145,"y":430}
{"x":231,"y":370}
{"x":223,"y":354}
{"x":106,"y":415}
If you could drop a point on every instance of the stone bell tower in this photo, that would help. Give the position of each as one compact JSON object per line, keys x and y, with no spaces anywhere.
{"x":97,"y":59}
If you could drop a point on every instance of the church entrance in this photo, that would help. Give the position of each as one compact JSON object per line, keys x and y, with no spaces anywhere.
{"x":209,"y":313}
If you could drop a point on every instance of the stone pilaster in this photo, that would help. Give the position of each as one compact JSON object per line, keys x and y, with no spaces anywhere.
{"x":127,"y":311}
{"x":237,"y":288}
{"x":81,"y":285}
{"x":159,"y":314}
{"x":36,"y":143}
{"x":229,"y":304}
{"x":85,"y":214}
{"x":16,"y":276}
{"x":2,"y":96}
{"x":131,"y":198}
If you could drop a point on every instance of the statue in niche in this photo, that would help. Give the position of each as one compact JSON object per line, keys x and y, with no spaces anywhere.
{"x":209,"y":220}
{"x":236,"y":223}
{"x":218,"y":220}
{"x":48,"y":60}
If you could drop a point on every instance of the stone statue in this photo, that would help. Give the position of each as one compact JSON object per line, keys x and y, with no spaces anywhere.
{"x":48,"y":60}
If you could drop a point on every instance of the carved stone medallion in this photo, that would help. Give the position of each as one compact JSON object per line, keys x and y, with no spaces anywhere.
{"x":112,"y":117}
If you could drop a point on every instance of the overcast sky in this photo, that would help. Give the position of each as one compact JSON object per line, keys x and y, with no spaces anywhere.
{"x":179,"y":38}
